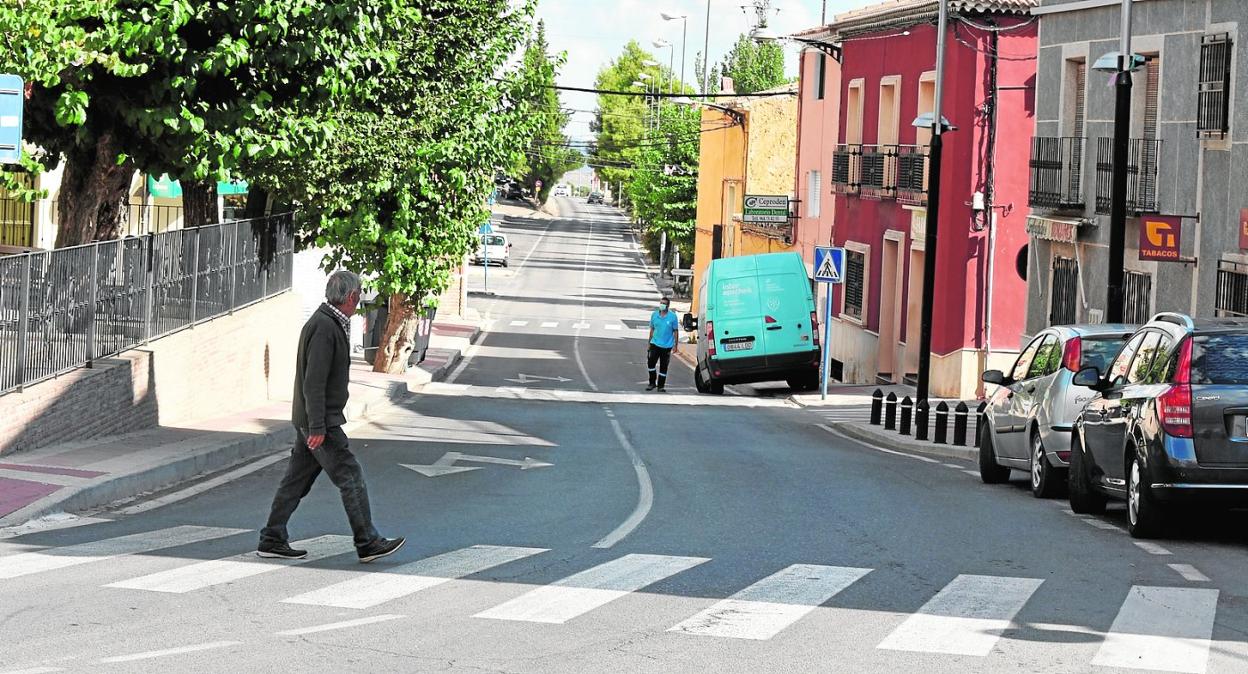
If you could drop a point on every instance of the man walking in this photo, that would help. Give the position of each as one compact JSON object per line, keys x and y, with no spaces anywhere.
{"x":322,"y":373}
{"x":664,"y":332}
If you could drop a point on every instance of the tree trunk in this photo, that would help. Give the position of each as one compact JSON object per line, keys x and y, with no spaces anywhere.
{"x":114,"y":214}
{"x":257,"y":203}
{"x":93,"y":185}
{"x":199,"y":203}
{"x":398,"y":339}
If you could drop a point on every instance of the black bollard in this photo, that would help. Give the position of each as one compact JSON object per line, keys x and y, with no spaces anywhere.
{"x":981,"y":421}
{"x":959,"y":424}
{"x":890,"y":412}
{"x":942,"y":423}
{"x":877,"y":403}
{"x":920,"y":420}
{"x":907,"y":407}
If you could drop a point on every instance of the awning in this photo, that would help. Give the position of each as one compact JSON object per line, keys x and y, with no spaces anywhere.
{"x":1065,"y":230}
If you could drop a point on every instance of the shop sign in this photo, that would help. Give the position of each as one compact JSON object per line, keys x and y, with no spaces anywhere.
{"x":766,"y":210}
{"x":1159,"y":237}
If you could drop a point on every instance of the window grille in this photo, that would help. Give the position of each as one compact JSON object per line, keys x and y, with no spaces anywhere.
{"x":1065,"y":293}
{"x":1213,"y":101}
{"x":1137,"y":297}
{"x":1231,"y":295}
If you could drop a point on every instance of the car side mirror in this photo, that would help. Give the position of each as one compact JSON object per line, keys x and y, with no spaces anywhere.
{"x":993,"y":377}
{"x":1089,"y":377}
{"x":689,"y":323}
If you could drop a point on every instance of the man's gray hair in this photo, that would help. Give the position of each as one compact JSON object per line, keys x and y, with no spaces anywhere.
{"x":341,"y":284}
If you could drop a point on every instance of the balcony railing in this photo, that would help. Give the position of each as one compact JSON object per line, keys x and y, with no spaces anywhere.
{"x":879,"y":171}
{"x":1142,"y":158}
{"x":846,"y":169}
{"x":912,"y":174}
{"x":1056,"y":173}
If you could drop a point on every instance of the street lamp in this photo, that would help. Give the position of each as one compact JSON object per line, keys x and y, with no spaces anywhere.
{"x":684,"y":33}
{"x":1123,"y":62}
{"x":762,"y":34}
{"x":671,"y":58}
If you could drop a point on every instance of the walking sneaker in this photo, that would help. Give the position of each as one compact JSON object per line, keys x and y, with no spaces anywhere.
{"x":380,"y":548}
{"x":650,"y":387}
{"x":280,"y":551}
{"x":662,"y":389}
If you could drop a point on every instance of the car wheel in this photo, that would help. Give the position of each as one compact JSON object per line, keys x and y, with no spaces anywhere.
{"x":714,"y":387}
{"x":990,"y":472}
{"x":505,"y":263}
{"x":1145,"y":516}
{"x":1084,"y":500}
{"x":698,"y":382}
{"x":1045,"y":479}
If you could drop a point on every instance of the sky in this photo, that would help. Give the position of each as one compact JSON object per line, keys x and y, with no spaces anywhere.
{"x":593,"y":32}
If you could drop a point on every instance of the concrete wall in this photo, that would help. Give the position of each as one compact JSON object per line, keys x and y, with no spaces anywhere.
{"x":1196,"y":176}
{"x":212,"y":370}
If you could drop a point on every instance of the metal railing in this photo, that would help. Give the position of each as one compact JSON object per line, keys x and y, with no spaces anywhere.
{"x":1056,"y":173}
{"x":912,"y":174}
{"x":152,"y":219}
{"x":62,"y":309}
{"x":1231,"y":296}
{"x":1143,"y":156}
{"x":879,"y":171}
{"x":846,"y":168}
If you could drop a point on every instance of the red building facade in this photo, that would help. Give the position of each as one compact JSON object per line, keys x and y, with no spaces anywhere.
{"x":878,"y":174}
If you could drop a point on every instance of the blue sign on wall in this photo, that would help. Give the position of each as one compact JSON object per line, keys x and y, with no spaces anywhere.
{"x":12,"y":100}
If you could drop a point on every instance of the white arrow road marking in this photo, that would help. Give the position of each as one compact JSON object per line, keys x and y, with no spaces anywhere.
{"x":530,"y":378}
{"x":446,"y":464}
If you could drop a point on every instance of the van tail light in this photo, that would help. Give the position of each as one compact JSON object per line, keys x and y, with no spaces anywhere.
{"x":1176,"y":403}
{"x":814,"y":326}
{"x":710,"y":338}
{"x":1072,"y":356}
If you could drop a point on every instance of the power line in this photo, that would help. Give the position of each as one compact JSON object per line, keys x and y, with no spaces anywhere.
{"x":607,"y":92}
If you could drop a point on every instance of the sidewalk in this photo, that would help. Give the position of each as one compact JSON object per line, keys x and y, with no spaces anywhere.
{"x":90,"y":474}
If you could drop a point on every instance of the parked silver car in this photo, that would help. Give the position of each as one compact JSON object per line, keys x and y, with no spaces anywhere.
{"x":1033,"y":409}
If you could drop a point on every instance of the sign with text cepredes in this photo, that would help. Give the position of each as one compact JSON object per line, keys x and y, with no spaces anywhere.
{"x":1159,"y":237}
{"x":765,"y":209}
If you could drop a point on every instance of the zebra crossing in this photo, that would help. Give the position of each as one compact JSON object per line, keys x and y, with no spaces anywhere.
{"x":571,"y":326}
{"x":1156,"y":628}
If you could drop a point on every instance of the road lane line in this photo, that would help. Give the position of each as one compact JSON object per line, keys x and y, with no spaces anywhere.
{"x":1161,"y":628}
{"x":370,"y":589}
{"x":1101,"y":524}
{"x":645,"y":492}
{"x":35,"y":670}
{"x":764,"y":609}
{"x":576,"y":339}
{"x":518,"y":324}
{"x":339,"y":625}
{"x":1189,"y":572}
{"x":195,"y":490}
{"x":28,"y":563}
{"x":580,"y":326}
{"x":966,"y":617}
{"x":590,"y":589}
{"x":613,"y":326}
{"x":148,"y":655}
{"x":1152,"y":548}
{"x":550,"y":324}
{"x":219,"y":571}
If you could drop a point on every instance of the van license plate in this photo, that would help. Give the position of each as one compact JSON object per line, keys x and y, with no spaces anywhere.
{"x":739,"y":344}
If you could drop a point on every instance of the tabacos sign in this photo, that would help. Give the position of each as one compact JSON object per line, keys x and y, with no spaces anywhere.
{"x":1159,"y":237}
{"x":1243,"y":229}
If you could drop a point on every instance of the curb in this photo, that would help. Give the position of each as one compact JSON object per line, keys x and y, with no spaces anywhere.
{"x":890,"y":440}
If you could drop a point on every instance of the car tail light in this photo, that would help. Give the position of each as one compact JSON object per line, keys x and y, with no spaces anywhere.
{"x":710,"y":338}
{"x":1072,"y":356}
{"x":1175,"y":404}
{"x":814,"y":326}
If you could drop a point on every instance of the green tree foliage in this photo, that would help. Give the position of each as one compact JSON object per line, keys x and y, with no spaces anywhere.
{"x":620,"y":122}
{"x":664,"y":186}
{"x":550,"y":154}
{"x":754,"y":67}
{"x":403,"y":187}
{"x":193,"y":89}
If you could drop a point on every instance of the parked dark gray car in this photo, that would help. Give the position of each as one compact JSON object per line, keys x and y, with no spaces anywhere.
{"x":1033,"y":408}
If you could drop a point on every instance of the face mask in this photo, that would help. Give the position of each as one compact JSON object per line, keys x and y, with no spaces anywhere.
{"x":662,"y":307}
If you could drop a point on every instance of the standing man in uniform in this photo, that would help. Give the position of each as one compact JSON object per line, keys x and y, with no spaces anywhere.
{"x":664,"y":334}
{"x":322,"y":372}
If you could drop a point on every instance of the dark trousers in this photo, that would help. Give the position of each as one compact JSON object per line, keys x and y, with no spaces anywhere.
{"x":335,"y":458}
{"x":660,"y":356}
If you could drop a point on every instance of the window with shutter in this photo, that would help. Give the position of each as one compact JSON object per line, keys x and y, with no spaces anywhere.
{"x":1213,"y":90}
{"x":855,"y":273}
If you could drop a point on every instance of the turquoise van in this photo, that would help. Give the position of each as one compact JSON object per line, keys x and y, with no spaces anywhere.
{"x":757,"y":322}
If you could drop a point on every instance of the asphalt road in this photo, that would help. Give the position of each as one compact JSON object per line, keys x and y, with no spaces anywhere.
{"x":669,"y":533}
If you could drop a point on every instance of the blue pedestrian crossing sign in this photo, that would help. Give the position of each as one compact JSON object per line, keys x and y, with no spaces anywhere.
{"x":12,"y":100}
{"x":829,"y":265}
{"x":487,"y":228}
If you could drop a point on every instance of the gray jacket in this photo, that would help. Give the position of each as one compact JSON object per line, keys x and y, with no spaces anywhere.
{"x":322,"y":372}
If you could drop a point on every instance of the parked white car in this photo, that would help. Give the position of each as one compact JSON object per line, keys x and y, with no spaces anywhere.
{"x":493,"y":247}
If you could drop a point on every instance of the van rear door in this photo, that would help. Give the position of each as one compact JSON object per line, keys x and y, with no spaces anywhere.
{"x":1220,"y":399}
{"x":786,"y":306}
{"x":737,"y":320}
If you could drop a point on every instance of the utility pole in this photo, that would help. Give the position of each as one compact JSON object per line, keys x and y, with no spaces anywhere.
{"x":706,"y":55}
{"x":932,"y":219}
{"x":1118,"y":198}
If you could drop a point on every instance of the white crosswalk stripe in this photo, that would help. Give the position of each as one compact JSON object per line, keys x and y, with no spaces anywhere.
{"x":371,"y":589}
{"x":28,"y":563}
{"x":590,"y":589}
{"x":763,"y":609}
{"x":966,"y":617}
{"x":1161,"y":628}
{"x":219,"y":571}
